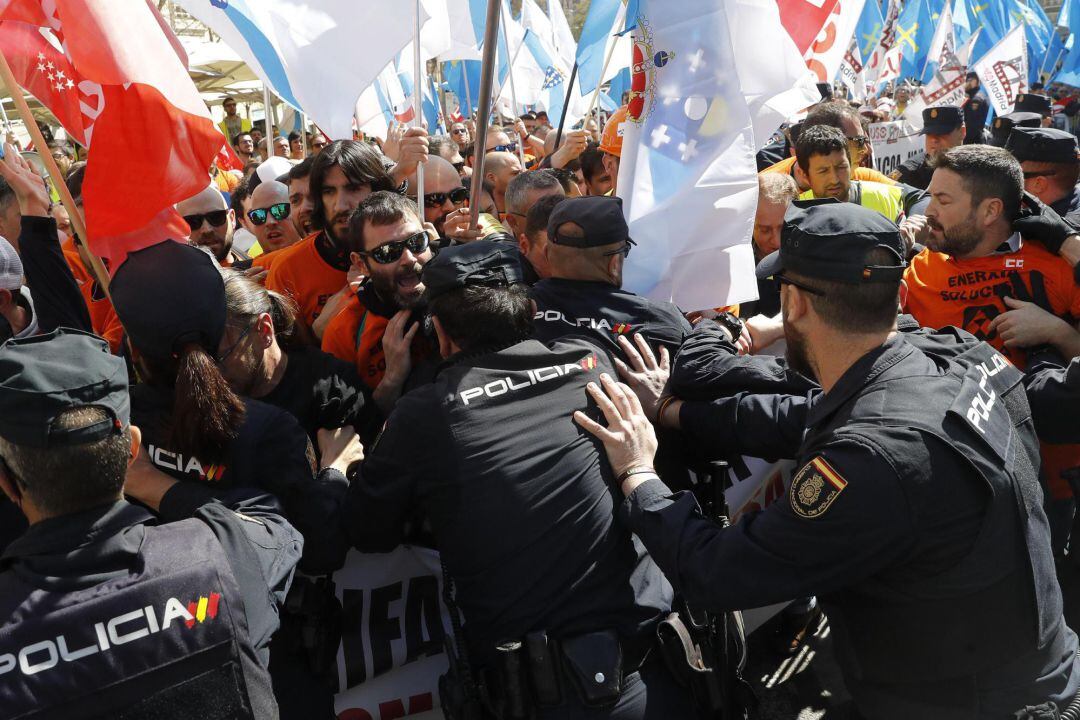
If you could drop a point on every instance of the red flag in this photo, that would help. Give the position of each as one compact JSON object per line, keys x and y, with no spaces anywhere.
{"x":227,"y":159}
{"x":151,"y":142}
{"x":804,"y":20}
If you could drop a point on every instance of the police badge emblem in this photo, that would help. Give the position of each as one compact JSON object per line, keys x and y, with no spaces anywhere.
{"x":814,"y":489}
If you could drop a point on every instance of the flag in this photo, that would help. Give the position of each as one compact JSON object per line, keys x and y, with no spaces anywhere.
{"x":1003,"y":71}
{"x":1069,"y":20}
{"x":869,"y":29}
{"x":876,"y":61}
{"x":227,"y":159}
{"x":716,"y":77}
{"x":463,"y":79}
{"x":465,"y":24}
{"x":804,"y":20}
{"x":891,"y":63}
{"x":827,"y":51}
{"x":548,"y":82}
{"x":404,"y":68}
{"x":991,"y":16}
{"x":594,"y":41}
{"x":946,"y":86}
{"x":944,"y":36}
{"x":914,"y":32}
{"x":1037,"y":31}
{"x":319,"y":55}
{"x":151,"y":139}
{"x":852,"y":74}
{"x":562,"y":37}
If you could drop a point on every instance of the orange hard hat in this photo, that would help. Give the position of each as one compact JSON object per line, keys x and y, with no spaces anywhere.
{"x":611,"y":140}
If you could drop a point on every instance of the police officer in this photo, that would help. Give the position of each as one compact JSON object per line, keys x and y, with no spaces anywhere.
{"x":976,"y":108}
{"x":106,"y":611}
{"x":915,"y":514}
{"x":1050,"y":159}
{"x":475,"y":452}
{"x":1035,"y":103}
{"x":943,"y":128}
{"x":1002,"y":126}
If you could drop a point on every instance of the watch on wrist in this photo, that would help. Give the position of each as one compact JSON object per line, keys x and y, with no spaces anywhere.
{"x":730,"y":322}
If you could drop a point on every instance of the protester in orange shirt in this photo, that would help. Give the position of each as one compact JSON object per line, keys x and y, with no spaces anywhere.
{"x":212,"y":224}
{"x":975,"y":268}
{"x":377,"y":327}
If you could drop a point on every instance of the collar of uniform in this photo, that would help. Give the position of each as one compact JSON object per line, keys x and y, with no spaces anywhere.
{"x":69,"y":532}
{"x":1067,"y":204}
{"x":466,"y":355}
{"x":859,"y":375}
{"x":1013,"y":244}
{"x":567,"y":282}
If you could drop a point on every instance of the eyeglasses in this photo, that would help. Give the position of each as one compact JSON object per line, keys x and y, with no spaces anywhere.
{"x":781,"y":280}
{"x":512,"y":147}
{"x":860,"y":140}
{"x":1039,"y":173}
{"x":624,"y":250}
{"x":216,"y":218}
{"x":437,"y":199}
{"x":392,"y":251}
{"x":279,"y":211}
{"x":459,"y":131}
{"x":220,"y":359}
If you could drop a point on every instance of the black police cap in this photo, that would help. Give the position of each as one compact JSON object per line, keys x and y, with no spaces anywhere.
{"x":601,"y":219}
{"x":44,"y":375}
{"x":1034,"y":103}
{"x":941,"y":120}
{"x":482,"y":262}
{"x":168,"y":295}
{"x":1004,"y":125}
{"x":830,"y":240}
{"x":1042,"y":145}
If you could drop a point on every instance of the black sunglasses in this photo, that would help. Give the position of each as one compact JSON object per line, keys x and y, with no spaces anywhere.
{"x":511,"y":148}
{"x":279,"y":211}
{"x":460,"y":131}
{"x":781,"y":280}
{"x":1039,"y":173}
{"x":624,"y":250}
{"x":860,"y":140}
{"x":437,"y":199}
{"x":216,"y":218}
{"x":392,"y":251}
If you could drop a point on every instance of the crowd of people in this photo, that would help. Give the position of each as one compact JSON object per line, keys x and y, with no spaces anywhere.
{"x":188,"y":452}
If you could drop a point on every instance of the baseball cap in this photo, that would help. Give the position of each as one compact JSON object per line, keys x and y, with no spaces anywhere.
{"x":43,"y":375}
{"x":830,"y":240}
{"x":1033,"y":102}
{"x":1042,"y":145}
{"x":941,"y":120}
{"x":600,"y":217}
{"x":999,"y":131}
{"x":168,"y":295}
{"x":11,"y":267}
{"x":481,"y":262}
{"x":611,"y":140}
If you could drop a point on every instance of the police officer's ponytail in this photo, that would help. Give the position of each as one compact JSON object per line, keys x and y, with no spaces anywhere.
{"x":207,"y":414}
{"x":245,"y":300}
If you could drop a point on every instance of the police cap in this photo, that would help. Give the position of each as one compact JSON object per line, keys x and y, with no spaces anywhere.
{"x":830,"y":240}
{"x":43,"y":375}
{"x":168,"y":295}
{"x":1003,"y":125}
{"x":941,"y":120}
{"x":1042,"y":145}
{"x":482,"y":262}
{"x":1034,"y":103}
{"x":601,"y":219}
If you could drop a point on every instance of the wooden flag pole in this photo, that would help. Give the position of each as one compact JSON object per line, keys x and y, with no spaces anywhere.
{"x":491,"y":34}
{"x":92,"y":262}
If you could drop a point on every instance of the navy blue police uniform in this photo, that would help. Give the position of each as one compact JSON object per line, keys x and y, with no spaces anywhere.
{"x":976,"y":108}
{"x":916,"y":171}
{"x":1057,"y":147}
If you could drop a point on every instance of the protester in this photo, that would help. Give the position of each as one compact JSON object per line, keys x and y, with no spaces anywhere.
{"x":63,"y":154}
{"x":269,"y":217}
{"x":448,"y":150}
{"x":300,"y":202}
{"x":499,"y":169}
{"x":244,"y":145}
{"x":597,"y":180}
{"x":10,"y":217}
{"x":459,"y":132}
{"x":776,"y":191}
{"x":443,"y":193}
{"x":212,"y":225}
{"x":611,"y":149}
{"x":296,"y":146}
{"x":233,"y":124}
{"x":17,"y":317}
{"x":522,"y":193}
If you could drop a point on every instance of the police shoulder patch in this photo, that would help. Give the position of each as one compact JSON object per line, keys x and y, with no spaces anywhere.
{"x":814,"y":488}
{"x":895,"y":175}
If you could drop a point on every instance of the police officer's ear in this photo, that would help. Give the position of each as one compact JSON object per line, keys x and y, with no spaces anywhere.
{"x":903,"y":295}
{"x":136,"y":444}
{"x":446,"y":345}
{"x":8,"y":484}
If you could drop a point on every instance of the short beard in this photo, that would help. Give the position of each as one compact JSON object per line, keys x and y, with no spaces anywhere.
{"x":797,"y":354}
{"x":960,"y":239}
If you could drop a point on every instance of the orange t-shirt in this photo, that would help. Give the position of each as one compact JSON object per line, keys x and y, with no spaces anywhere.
{"x":266,"y":260}
{"x":103,"y":317}
{"x":300,"y":272}
{"x":943,"y":290}
{"x":355,"y":336}
{"x":787,"y":165}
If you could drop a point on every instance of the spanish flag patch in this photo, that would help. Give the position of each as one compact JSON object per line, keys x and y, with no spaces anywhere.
{"x":621,"y":328}
{"x":815,"y":487}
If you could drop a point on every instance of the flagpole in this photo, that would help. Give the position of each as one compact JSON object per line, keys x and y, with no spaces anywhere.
{"x":513,"y":91}
{"x":491,"y":33}
{"x":600,"y":80}
{"x":90,"y":260}
{"x":468,"y":90}
{"x":418,"y":108}
{"x":268,"y":111}
{"x":303,"y":134}
{"x":566,"y":105}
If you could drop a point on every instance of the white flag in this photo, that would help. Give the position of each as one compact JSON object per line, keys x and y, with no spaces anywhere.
{"x":1003,"y":70}
{"x":890,"y":66}
{"x":853,"y":73}
{"x":562,"y":37}
{"x":826,"y":53}
{"x":946,"y":88}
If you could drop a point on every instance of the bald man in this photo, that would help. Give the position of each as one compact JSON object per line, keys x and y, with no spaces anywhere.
{"x":268,"y":217}
{"x":441,"y":181}
{"x":212,"y":224}
{"x":499,"y":169}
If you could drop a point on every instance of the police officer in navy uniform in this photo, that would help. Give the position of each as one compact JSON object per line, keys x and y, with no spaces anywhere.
{"x":1050,"y":159}
{"x":519,"y":502}
{"x":1003,"y":126}
{"x":976,"y":108}
{"x":915,"y":513}
{"x":943,"y":128}
{"x":1035,"y":103}
{"x":105,"y":610}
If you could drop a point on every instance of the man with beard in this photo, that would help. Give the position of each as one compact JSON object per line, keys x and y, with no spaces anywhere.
{"x":300,"y":197}
{"x":378,"y":327}
{"x":244,"y":145}
{"x":943,"y":128}
{"x":314,"y":269}
{"x":976,"y":108}
{"x":212,"y":224}
{"x":823,"y":156}
{"x":914,"y":515}
{"x":269,"y":217}
{"x":977,"y":267}
{"x":443,"y":192}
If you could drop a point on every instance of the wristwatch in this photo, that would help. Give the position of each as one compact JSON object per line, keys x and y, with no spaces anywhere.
{"x":731,"y":323}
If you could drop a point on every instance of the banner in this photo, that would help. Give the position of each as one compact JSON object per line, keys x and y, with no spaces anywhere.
{"x":393,"y":625}
{"x":852,"y":73}
{"x":827,"y":51}
{"x":1003,"y":71}
{"x":893,"y":143}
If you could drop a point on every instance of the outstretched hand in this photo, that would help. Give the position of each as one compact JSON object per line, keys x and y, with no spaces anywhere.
{"x":629,"y":439}
{"x":29,"y":187}
{"x":646,"y":376}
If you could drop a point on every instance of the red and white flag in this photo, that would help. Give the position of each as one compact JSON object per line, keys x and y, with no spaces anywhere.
{"x":150,"y":137}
